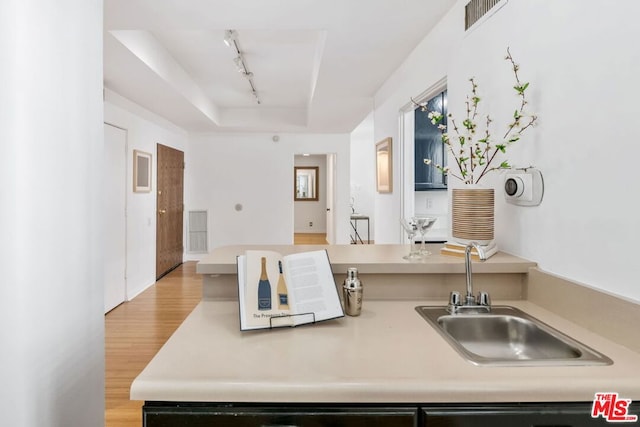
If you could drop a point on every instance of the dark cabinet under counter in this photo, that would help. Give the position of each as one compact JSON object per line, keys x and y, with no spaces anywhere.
{"x":556,"y":414}
{"x":160,"y":414}
{"x":553,"y":414}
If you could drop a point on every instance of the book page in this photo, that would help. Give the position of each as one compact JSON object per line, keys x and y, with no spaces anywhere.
{"x":312,"y":287}
{"x":258,"y":280}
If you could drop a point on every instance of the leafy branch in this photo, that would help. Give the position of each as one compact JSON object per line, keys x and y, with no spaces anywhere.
{"x":474,"y":153}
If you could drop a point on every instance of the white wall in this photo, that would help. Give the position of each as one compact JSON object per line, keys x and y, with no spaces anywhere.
{"x":224,"y":170}
{"x":426,"y":66}
{"x":582,"y":62}
{"x":51,"y":297}
{"x":434,"y":203}
{"x":314,"y":212}
{"x":144,"y":131}
{"x":363,"y":172}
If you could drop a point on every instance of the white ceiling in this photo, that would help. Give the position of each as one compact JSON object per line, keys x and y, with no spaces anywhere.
{"x":316,"y":63}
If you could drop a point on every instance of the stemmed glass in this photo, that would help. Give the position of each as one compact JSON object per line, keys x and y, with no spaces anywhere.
{"x":423,"y":223}
{"x":411,"y":228}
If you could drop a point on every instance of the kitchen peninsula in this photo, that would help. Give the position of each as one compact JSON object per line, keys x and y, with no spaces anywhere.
{"x":385,"y":273}
{"x":388,"y":361}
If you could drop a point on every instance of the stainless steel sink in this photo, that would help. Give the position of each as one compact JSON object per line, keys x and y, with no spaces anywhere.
{"x":508,"y":336}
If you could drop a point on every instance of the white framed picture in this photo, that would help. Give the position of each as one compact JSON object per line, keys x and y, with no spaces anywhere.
{"x":141,"y":172}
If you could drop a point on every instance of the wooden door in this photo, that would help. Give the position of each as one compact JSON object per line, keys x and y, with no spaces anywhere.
{"x":170,"y":210}
{"x":115,"y":196}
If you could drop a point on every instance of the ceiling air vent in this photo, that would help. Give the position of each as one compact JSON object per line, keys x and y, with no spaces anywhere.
{"x":476,"y":9}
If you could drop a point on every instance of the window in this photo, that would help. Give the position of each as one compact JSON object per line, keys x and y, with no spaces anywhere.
{"x":428,"y":145}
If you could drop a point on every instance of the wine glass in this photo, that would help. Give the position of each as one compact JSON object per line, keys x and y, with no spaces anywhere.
{"x":423,"y":223}
{"x":411,"y":228}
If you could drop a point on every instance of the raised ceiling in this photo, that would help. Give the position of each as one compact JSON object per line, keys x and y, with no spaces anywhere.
{"x":316,"y":64}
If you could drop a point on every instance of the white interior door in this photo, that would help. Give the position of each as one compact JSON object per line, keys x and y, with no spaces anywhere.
{"x":331,"y":179}
{"x":115,"y":177}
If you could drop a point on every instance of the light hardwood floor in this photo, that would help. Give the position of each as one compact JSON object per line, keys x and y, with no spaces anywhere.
{"x":309,"y":239}
{"x":135,"y":331}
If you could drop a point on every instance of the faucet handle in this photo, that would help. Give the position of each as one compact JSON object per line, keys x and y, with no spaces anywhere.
{"x":454,"y":299}
{"x":484,"y":299}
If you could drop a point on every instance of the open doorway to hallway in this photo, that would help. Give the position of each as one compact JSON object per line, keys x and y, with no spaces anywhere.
{"x":314,"y":198}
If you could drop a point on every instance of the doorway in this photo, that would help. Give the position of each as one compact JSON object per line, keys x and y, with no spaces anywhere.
{"x":114,"y":208}
{"x":314,"y":217}
{"x":331,"y":198}
{"x":170,"y":209}
{"x":419,"y":195}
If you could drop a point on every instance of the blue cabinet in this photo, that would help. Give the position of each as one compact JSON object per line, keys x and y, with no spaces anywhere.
{"x":428,"y":145}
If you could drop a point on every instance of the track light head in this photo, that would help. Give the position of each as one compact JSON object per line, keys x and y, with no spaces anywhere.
{"x":229,"y":38}
{"x":239,"y":64}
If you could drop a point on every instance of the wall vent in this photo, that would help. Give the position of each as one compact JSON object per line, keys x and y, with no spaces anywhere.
{"x":197,"y":231}
{"x":476,"y":9}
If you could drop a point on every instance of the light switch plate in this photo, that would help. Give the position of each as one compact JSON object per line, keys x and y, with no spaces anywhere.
{"x":524,"y":187}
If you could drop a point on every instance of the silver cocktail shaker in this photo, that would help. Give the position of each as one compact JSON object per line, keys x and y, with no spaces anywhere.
{"x":352,"y":293}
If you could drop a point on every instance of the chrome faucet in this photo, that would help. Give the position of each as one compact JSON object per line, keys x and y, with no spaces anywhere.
{"x":482,"y":303}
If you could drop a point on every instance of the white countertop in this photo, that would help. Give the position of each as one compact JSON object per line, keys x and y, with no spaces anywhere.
{"x":389,"y":354}
{"x":370,"y":259}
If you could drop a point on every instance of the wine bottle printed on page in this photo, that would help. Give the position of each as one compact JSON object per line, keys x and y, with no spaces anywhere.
{"x":264,"y":288}
{"x":283,"y":297}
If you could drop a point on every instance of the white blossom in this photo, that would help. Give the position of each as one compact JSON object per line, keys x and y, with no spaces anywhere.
{"x":475,"y":148}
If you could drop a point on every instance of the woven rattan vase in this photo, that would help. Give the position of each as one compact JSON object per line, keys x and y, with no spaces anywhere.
{"x":472,"y":215}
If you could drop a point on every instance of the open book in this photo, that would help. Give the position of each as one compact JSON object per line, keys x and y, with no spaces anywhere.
{"x":291,"y":290}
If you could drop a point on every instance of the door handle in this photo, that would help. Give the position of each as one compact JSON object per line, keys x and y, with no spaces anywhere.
{"x":162,"y":211}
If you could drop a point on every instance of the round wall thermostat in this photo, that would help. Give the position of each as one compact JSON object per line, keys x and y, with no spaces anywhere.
{"x":524,"y":187}
{"x":514,"y":187}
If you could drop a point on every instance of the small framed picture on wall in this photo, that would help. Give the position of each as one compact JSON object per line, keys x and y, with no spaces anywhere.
{"x":384,"y":172}
{"x":141,"y":172}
